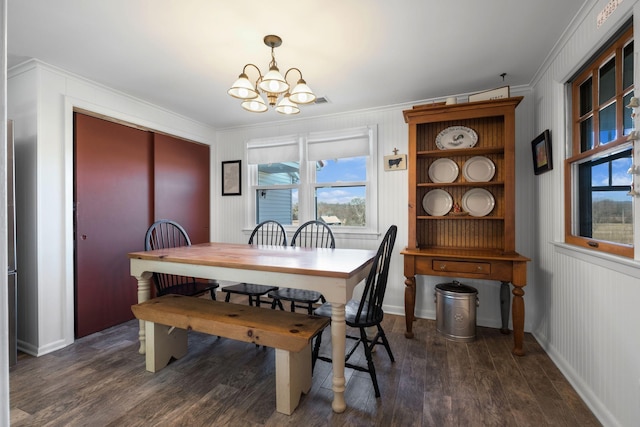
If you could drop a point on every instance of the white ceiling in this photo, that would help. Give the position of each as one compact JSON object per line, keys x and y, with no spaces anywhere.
{"x":184,"y":54}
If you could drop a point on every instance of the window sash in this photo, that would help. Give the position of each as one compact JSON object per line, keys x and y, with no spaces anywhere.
{"x":589,"y":143}
{"x":354,"y":142}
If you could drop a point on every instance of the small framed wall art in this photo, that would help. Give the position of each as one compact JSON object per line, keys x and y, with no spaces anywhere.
{"x":231,"y":178}
{"x":541,"y":153}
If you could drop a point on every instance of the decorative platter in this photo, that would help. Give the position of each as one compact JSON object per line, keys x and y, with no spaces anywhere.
{"x":478,"y":169}
{"x":443,"y":170}
{"x":478,"y":202}
{"x":437,"y":202}
{"x":455,"y":137}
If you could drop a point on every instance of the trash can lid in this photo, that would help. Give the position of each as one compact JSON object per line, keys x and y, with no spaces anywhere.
{"x":457,"y":287}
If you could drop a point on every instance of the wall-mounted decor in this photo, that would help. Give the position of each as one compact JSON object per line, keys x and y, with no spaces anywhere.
{"x":231,"y":178}
{"x":395,"y":162}
{"x":541,"y":152}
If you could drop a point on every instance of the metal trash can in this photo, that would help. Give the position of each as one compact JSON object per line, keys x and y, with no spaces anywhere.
{"x":456,"y":311}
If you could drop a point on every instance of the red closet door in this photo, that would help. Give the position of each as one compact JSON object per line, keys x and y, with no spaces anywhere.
{"x":113,"y":190}
{"x":181,"y":188}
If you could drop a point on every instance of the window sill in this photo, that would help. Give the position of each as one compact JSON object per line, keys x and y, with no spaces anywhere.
{"x":623,"y":265}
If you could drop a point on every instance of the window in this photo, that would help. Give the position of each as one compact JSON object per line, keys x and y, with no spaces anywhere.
{"x":322,"y":175}
{"x":599,"y":210}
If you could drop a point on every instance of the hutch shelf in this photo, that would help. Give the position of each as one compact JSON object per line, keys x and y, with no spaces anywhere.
{"x":462,"y":201}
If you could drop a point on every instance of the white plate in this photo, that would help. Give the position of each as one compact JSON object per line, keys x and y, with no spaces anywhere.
{"x":478,"y":169}
{"x":443,"y":170}
{"x":478,"y":202}
{"x":456,"y":137}
{"x":437,"y":202}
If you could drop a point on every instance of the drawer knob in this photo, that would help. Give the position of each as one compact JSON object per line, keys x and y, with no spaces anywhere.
{"x":443,"y":267}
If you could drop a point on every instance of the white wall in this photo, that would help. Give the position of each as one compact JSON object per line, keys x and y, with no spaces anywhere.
{"x":589,"y":316}
{"x":392,"y":199}
{"x":41,"y":99}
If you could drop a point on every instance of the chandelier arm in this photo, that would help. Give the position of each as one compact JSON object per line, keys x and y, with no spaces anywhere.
{"x":292,"y":69}
{"x":244,"y":69}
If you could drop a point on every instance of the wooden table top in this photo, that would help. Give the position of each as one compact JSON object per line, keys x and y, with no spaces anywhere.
{"x":341,"y":263}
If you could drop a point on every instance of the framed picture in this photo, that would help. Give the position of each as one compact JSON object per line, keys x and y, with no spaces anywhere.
{"x":395,"y":162}
{"x":541,"y":152}
{"x":231,"y":178}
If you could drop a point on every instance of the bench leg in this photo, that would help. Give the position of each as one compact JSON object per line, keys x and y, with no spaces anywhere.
{"x":163,"y":343}
{"x":293,"y":377}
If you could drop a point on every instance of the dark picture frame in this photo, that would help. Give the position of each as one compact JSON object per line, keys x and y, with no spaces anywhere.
{"x":232,"y":178}
{"x":541,"y":153}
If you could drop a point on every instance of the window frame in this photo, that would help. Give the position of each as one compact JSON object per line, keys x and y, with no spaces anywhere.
{"x":576,"y":156}
{"x":308,"y":185}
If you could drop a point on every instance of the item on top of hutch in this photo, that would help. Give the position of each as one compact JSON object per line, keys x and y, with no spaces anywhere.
{"x":477,"y":239}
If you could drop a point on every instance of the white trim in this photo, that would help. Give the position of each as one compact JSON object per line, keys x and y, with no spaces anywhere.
{"x":606,"y":260}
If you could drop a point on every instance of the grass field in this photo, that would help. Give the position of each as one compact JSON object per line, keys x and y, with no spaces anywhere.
{"x":619,"y":233}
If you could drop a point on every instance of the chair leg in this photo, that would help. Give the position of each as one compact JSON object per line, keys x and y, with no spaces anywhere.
{"x":213,"y":294}
{"x":316,"y":350}
{"x":226,"y":298}
{"x":278,"y":303}
{"x":371,"y":368}
{"x":385,"y":342}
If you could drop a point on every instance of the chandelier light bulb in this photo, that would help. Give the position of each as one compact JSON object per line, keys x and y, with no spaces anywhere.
{"x":255,"y":105}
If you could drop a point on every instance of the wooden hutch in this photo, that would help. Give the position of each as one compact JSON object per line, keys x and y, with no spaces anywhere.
{"x":462,"y":208}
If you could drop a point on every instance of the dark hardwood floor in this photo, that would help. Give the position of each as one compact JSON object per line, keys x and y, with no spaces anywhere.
{"x":101,"y":380}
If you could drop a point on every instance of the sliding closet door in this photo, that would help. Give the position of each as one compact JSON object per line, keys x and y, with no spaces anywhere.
{"x":113,"y":190}
{"x":181,"y":188}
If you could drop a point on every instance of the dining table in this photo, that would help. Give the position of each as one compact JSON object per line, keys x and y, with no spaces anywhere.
{"x":332,"y":272}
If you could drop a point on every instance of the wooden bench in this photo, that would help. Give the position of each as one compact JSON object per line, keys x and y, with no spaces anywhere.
{"x":169,"y":317}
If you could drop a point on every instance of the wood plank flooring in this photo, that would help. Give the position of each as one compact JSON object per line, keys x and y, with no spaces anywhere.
{"x":101,"y":380}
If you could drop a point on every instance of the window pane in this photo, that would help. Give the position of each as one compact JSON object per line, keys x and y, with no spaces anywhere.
{"x":627,"y":69}
{"x":342,"y":205}
{"x":607,"y":81}
{"x":627,"y":119}
{"x":586,"y":134}
{"x":612,"y":217}
{"x":348,"y":169}
{"x":279,"y":173}
{"x":279,"y":205}
{"x":619,"y":168}
{"x":605,"y":209}
{"x":607,"y":118}
{"x":586,"y":97}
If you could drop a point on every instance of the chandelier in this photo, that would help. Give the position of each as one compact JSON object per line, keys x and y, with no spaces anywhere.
{"x":273,"y":85}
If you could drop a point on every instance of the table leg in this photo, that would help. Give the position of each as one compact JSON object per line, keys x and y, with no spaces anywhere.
{"x":409,"y":304}
{"x":338,"y":343}
{"x":505,"y":299}
{"x":144,"y":293}
{"x":518,"y":320}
